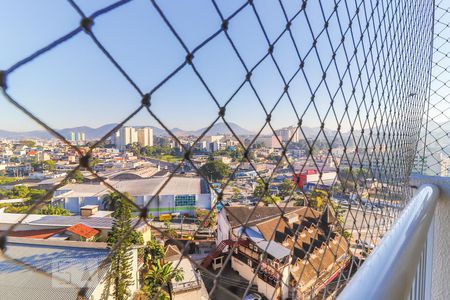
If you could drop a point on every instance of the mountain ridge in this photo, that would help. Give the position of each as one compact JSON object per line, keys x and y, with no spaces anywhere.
{"x":98,"y":132}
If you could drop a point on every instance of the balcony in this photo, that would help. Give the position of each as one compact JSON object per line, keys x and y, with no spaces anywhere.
{"x":320,"y":125}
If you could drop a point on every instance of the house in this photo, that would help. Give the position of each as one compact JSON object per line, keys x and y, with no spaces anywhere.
{"x":283,"y":255}
{"x":191,"y":286}
{"x":181,"y":195}
{"x":67,"y":270}
{"x":81,"y":232}
{"x":49,"y":226}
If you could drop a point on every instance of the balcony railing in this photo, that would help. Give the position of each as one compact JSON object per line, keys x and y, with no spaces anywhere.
{"x":340,"y":103}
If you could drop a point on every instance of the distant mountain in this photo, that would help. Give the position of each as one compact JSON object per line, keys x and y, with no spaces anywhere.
{"x":217,"y":129}
{"x":97,"y":133}
{"x":311,"y":132}
{"x":91,"y":133}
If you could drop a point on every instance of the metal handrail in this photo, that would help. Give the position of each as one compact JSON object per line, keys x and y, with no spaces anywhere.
{"x":388,"y":273}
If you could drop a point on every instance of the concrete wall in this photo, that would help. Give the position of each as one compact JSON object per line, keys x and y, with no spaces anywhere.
{"x":223,"y":228}
{"x":440,"y":286}
{"x":242,"y":268}
{"x":246,"y":272}
{"x":98,"y":292}
{"x":163,"y":204}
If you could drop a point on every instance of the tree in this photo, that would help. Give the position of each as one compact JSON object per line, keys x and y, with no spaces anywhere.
{"x":137,"y":238}
{"x":55,"y":211}
{"x":159,"y":276}
{"x":14,"y":159}
{"x":271,"y":199}
{"x":77,"y":176}
{"x":135,"y":148}
{"x":317,"y":198}
{"x":19,"y":191}
{"x":259,"y":189}
{"x":153,"y":251}
{"x":109,"y":201}
{"x":236,"y":193}
{"x":29,"y":143}
{"x":286,"y":188}
{"x":299,"y":199}
{"x":352,"y":178}
{"x":261,"y":192}
{"x":215,"y":170}
{"x":205,"y":217}
{"x":169,"y":231}
{"x":120,"y":272}
{"x":48,"y":165}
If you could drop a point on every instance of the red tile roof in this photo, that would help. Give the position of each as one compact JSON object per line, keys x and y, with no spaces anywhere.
{"x":35,"y":234}
{"x":83,"y":230}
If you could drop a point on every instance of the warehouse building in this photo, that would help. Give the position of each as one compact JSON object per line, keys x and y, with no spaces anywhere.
{"x":180,"y":195}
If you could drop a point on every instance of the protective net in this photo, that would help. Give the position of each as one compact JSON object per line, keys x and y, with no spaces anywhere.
{"x":337,"y":90}
{"x":433,"y":151}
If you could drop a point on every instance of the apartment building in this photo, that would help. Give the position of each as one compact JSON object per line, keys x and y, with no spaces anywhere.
{"x":128,"y":135}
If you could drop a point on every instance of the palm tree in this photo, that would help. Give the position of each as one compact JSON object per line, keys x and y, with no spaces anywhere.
{"x":160,"y":275}
{"x":109,"y":201}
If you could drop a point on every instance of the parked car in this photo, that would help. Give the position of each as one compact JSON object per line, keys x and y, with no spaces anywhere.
{"x":364,"y":245}
{"x":253,"y":296}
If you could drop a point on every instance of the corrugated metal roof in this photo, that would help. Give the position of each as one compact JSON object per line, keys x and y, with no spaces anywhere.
{"x":271,"y":247}
{"x":69,"y":267}
{"x":138,"y":187}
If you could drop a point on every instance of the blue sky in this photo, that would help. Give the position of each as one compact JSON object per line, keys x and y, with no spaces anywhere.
{"x":75,"y":84}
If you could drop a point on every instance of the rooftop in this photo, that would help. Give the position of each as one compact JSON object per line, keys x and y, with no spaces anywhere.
{"x":67,"y":264}
{"x":237,"y":215}
{"x":57,"y":221}
{"x":271,"y":247}
{"x":83,"y":230}
{"x":139,"y":187}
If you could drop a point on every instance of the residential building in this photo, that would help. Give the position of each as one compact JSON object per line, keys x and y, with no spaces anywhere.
{"x":269,"y":141}
{"x":69,"y":266}
{"x":191,"y":286}
{"x":272,"y":252}
{"x":145,"y":136}
{"x":51,"y":227}
{"x":288,"y":134}
{"x":124,"y":136}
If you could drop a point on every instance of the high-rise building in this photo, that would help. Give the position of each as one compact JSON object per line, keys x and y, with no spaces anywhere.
{"x":72,"y":136}
{"x":145,"y":136}
{"x":125,"y":135}
{"x":288,"y":133}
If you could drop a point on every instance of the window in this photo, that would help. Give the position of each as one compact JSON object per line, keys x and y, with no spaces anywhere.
{"x":276,"y":265}
{"x":185,"y":200}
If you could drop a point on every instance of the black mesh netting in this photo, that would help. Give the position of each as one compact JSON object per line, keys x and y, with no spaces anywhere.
{"x":353,"y":79}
